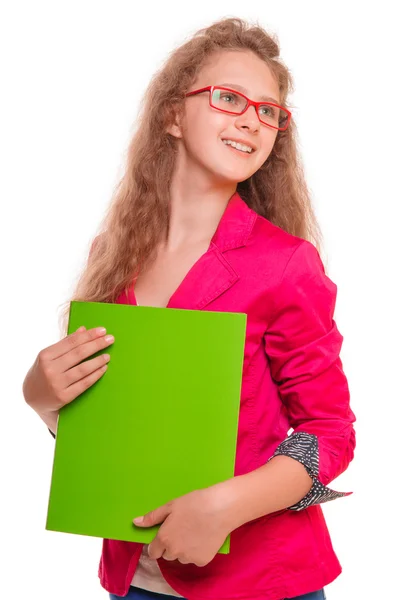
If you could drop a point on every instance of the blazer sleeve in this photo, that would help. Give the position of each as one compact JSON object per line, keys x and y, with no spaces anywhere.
{"x":302,"y":343}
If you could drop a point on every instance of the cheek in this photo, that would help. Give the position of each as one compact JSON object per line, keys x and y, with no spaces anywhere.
{"x":210,"y":124}
{"x":204,"y":134}
{"x":267,"y":145}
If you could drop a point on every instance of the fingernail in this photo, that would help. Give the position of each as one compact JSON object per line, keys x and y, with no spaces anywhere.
{"x":138,"y":519}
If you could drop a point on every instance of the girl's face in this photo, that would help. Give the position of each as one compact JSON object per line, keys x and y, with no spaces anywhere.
{"x":202,"y":128}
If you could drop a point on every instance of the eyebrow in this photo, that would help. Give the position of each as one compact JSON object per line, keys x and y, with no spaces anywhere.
{"x":244,"y":90}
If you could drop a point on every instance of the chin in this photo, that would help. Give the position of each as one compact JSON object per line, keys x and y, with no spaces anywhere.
{"x":233,"y":175}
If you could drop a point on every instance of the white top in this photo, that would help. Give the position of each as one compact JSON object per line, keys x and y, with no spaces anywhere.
{"x":148,"y":576}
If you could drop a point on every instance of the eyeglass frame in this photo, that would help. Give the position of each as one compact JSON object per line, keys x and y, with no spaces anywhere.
{"x":210,"y":88}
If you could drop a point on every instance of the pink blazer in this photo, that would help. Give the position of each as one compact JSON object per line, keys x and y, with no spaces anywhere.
{"x":292,"y":378}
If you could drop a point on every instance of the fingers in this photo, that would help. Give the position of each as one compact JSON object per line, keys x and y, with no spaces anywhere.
{"x":78,"y":353}
{"x":155,"y":516}
{"x":160,"y":543}
{"x":54,"y":379}
{"x":167,"y":555}
{"x":157,"y":548}
{"x":71,"y":342}
{"x":72,"y":351}
{"x":74,"y":390}
{"x":64,"y":365}
{"x":82,"y":370}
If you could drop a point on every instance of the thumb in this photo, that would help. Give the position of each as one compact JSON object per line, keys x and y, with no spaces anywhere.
{"x":154,"y":517}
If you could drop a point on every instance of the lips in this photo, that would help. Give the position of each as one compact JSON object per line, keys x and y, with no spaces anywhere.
{"x":243,"y":142}
{"x":236,"y":151}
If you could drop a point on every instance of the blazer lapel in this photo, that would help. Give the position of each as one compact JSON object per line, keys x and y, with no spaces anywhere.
{"x":209,"y":277}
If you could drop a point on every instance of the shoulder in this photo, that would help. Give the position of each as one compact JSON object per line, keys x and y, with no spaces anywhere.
{"x":288,"y":274}
{"x":273,"y":244}
{"x":286,"y":265}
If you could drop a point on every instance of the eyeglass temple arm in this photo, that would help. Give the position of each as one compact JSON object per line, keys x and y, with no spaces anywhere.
{"x":205,"y":89}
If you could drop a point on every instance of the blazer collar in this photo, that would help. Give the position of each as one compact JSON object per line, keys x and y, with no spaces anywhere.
{"x":235,"y":225}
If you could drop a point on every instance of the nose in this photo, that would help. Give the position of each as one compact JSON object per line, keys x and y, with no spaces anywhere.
{"x":248,"y":119}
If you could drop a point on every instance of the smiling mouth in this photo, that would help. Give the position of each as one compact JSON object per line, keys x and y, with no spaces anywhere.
{"x":237,"y":151}
{"x":243,"y":147}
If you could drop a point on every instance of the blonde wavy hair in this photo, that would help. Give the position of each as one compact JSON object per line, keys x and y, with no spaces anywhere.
{"x":138,"y":214}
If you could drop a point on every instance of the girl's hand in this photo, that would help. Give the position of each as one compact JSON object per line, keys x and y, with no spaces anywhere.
{"x":58,"y":374}
{"x":194,"y":527}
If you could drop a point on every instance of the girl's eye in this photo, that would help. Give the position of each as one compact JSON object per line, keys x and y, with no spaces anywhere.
{"x":267,"y":110}
{"x":232,"y":96}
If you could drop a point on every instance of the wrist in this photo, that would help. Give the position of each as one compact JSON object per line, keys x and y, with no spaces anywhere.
{"x":50,"y":419}
{"x":230,"y":501}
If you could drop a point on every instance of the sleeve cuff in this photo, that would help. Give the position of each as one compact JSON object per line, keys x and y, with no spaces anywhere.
{"x":304,"y":448}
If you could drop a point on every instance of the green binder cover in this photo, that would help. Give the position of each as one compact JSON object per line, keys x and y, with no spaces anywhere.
{"x":161,"y":422}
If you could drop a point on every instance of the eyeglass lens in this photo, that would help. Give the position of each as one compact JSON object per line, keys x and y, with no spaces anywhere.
{"x":233,"y":102}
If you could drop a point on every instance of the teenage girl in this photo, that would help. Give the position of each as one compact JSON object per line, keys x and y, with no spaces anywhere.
{"x":213,"y":213}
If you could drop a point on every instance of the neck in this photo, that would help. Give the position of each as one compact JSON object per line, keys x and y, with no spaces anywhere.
{"x":197,"y":203}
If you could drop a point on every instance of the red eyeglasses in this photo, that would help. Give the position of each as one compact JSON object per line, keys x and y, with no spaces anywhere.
{"x":270,"y":114}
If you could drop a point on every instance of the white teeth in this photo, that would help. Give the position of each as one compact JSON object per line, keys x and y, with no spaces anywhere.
{"x":241,"y":147}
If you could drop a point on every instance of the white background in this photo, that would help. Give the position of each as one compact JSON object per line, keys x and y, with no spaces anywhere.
{"x":72,"y":76}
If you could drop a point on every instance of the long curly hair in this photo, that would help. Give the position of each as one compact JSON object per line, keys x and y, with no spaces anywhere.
{"x":138,"y":214}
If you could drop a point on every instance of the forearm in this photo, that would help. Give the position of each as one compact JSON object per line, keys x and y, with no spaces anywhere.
{"x":277,"y":485}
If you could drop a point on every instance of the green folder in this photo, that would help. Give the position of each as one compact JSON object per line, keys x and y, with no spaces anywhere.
{"x":161,"y":422}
